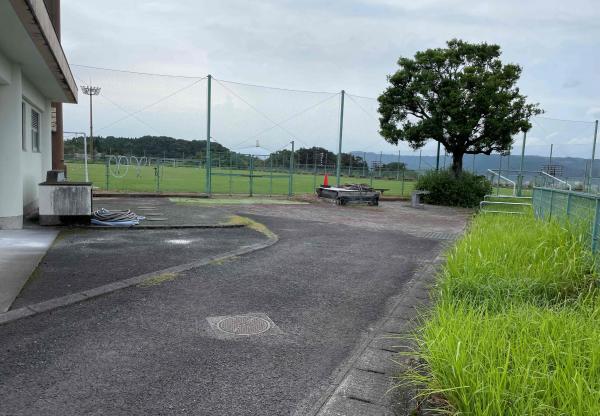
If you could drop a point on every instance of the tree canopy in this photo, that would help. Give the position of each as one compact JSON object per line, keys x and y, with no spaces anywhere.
{"x":461,"y":96}
{"x":151,"y":146}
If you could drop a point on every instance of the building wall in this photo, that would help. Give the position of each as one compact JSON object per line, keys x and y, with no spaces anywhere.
{"x":20,"y":169}
{"x":34,"y":165}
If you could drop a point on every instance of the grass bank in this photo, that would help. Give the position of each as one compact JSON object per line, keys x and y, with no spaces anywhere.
{"x":515,"y":327}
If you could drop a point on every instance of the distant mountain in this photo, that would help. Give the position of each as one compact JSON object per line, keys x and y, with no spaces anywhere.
{"x":572,"y":166}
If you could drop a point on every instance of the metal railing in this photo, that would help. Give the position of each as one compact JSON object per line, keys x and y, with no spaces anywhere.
{"x":514,"y":184}
{"x":554,"y":178}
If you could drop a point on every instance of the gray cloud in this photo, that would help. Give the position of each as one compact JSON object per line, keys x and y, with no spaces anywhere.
{"x":330,"y":46}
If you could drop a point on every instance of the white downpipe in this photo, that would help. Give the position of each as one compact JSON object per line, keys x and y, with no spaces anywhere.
{"x":514,"y":184}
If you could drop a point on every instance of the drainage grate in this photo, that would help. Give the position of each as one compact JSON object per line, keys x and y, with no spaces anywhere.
{"x":155,"y":219}
{"x":233,"y":326}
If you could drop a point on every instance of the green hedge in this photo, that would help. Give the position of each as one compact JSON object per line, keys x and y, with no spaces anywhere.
{"x":466,"y":190}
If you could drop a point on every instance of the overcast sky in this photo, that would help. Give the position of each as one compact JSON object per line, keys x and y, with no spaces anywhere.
{"x":314,"y":45}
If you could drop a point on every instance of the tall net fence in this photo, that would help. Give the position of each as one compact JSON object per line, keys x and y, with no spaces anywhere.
{"x":278,"y":141}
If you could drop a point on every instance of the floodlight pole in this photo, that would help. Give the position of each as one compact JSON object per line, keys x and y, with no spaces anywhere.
{"x":91,"y":91}
{"x":593,"y":156}
{"x":339,"y":155}
{"x":208,"y":157}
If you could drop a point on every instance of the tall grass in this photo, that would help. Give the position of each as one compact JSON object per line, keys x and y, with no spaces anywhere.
{"x":515,"y":330}
{"x":503,"y":259}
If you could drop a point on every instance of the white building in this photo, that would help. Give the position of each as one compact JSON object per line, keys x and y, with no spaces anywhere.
{"x":33,"y":73}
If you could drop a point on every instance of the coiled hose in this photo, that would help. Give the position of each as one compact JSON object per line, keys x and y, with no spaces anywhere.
{"x":125,"y":218}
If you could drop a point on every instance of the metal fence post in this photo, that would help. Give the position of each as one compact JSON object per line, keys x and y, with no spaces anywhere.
{"x":230,"y":172}
{"x":551,"y":202}
{"x":208,"y":186}
{"x":593,"y":156}
{"x":314,"y":173}
{"x":291,"y":174}
{"x":520,"y":180}
{"x":595,"y":227}
{"x":402,"y":189}
{"x":339,"y":155}
{"x":157,"y":175}
{"x":107,"y":171}
{"x":271,"y":176}
{"x":569,"y":196}
{"x":251,"y":174}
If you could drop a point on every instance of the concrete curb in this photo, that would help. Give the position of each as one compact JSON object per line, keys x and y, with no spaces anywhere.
{"x":62,"y":301}
{"x":363,"y":384}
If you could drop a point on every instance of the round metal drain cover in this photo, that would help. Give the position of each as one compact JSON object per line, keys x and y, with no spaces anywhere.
{"x":244,"y":325}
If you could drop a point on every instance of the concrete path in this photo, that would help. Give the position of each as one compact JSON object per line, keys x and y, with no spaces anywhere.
{"x":20,"y":253}
{"x":314,"y":301}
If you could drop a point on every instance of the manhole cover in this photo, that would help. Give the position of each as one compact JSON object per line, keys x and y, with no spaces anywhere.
{"x":244,"y":325}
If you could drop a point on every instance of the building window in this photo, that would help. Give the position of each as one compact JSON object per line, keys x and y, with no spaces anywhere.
{"x":23,"y":126}
{"x":35,"y":131}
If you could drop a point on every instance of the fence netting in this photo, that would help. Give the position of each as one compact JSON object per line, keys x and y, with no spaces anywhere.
{"x":279,"y":141}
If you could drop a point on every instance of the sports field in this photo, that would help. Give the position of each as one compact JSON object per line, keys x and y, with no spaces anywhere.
{"x":224,"y":181}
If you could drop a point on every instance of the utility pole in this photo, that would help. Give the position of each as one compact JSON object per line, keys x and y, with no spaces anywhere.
{"x":339,"y":155}
{"x":91,"y":91}
{"x":380,"y":156}
{"x":208,"y":184}
{"x":420,"y":151}
{"x":398,"y":167}
{"x":437,"y":160}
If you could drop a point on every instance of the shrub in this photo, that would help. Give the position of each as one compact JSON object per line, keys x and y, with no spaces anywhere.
{"x":466,"y":190}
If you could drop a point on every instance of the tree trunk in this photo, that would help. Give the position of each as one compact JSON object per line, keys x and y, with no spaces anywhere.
{"x":457,"y":163}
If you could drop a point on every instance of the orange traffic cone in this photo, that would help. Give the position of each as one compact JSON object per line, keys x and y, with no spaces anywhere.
{"x":326,"y":181}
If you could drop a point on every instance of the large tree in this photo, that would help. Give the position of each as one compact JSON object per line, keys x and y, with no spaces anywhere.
{"x":461,"y":96}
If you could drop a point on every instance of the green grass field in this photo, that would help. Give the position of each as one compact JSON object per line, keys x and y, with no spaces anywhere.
{"x":515,"y":326}
{"x":190,"y":179}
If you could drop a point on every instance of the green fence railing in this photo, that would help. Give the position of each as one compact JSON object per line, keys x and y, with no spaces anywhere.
{"x":580,"y":209}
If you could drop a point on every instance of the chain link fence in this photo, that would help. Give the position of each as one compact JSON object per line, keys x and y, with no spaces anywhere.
{"x":580,"y":210}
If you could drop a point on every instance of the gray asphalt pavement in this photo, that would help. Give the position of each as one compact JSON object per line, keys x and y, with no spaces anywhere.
{"x":82,"y":259}
{"x":152,"y":351}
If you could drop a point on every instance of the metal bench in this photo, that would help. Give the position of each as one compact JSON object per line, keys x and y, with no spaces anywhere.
{"x":415,"y":198}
